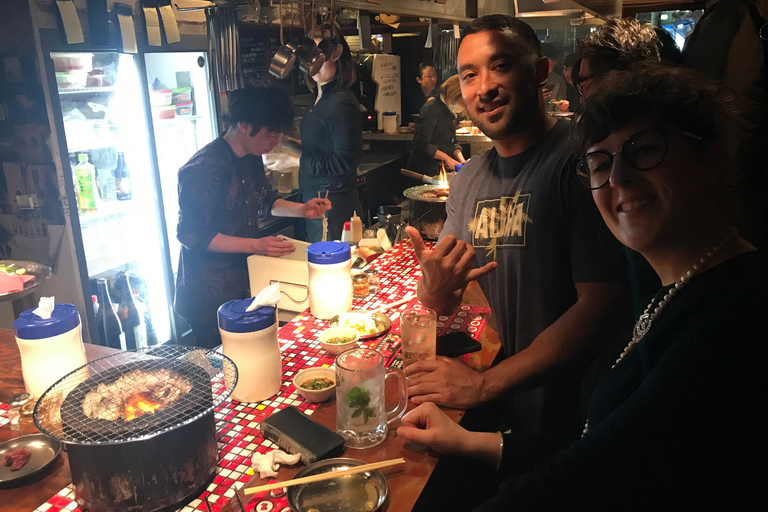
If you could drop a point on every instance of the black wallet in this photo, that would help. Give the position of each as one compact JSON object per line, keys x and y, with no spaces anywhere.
{"x":295,"y":432}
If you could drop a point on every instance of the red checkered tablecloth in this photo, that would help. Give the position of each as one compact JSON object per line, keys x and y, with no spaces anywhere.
{"x":238,"y":423}
{"x":4,"y":414}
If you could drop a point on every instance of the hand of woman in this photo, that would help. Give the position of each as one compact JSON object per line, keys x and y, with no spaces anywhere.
{"x":430,"y":426}
{"x":279,"y":161}
{"x":451,"y":163}
{"x":315,"y":208}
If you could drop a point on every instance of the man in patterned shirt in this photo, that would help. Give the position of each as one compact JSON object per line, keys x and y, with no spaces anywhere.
{"x":223,"y":192}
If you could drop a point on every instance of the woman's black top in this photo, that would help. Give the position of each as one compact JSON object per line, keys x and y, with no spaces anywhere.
{"x":680,"y":423}
{"x":435,"y":129}
{"x":331,"y":142}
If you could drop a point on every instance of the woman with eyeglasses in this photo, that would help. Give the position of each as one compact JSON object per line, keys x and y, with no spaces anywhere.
{"x":676,"y":411}
{"x":331,"y":142}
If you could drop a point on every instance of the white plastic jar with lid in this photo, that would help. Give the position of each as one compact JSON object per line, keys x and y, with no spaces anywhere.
{"x":330,"y":278}
{"x":50,"y":348}
{"x":249,"y":338}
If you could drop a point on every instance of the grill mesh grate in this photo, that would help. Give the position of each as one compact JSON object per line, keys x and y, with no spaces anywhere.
{"x":59,"y":412}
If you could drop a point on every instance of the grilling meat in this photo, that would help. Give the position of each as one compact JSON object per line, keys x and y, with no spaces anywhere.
{"x":107,"y":401}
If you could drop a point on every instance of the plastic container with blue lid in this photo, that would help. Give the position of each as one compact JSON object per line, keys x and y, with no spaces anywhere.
{"x":330,"y":278}
{"x":29,"y":326}
{"x":249,"y":338}
{"x":328,"y":253}
{"x":50,"y":348}
{"x":233,"y":316}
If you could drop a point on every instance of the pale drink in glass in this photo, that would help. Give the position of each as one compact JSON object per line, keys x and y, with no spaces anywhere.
{"x":418,"y":335}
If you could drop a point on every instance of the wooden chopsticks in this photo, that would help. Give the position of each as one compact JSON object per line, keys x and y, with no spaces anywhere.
{"x":324,"y":476}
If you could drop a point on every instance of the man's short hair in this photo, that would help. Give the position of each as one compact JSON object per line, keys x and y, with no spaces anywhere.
{"x":260,"y":106}
{"x":618,"y":44}
{"x":511,"y":27}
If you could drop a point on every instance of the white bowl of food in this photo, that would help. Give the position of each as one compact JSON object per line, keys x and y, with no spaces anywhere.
{"x":316,"y":384}
{"x":339,"y":339}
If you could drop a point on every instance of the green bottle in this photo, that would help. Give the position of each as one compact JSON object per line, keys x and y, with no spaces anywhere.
{"x":85,"y":173}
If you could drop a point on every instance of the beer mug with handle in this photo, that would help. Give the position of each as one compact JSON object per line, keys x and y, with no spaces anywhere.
{"x":361,"y":416}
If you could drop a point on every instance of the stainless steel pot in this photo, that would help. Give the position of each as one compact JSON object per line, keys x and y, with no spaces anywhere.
{"x":311,"y":59}
{"x":283,"y":61}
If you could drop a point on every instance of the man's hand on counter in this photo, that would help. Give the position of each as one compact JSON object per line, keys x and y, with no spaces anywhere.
{"x":445,"y":381}
{"x":446,"y":271}
{"x":271,"y":246}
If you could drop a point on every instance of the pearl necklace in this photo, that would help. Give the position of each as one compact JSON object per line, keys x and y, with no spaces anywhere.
{"x":644,"y":323}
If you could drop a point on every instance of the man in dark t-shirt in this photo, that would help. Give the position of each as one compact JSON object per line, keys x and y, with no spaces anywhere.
{"x":520,"y":224}
{"x":222,"y":194}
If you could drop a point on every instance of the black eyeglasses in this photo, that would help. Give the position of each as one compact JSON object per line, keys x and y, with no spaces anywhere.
{"x":578,"y":81}
{"x":642,"y":151}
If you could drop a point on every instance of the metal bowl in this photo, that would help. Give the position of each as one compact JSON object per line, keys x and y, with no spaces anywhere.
{"x":38,"y":270}
{"x":366,"y":491}
{"x":381,"y":320}
{"x":44,"y":451}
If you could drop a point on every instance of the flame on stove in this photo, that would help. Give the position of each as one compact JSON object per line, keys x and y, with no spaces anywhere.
{"x":443,"y":176}
{"x":138,"y":404}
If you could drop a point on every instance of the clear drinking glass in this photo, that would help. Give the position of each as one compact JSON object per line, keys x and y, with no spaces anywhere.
{"x":418,"y":335}
{"x":361,"y":416}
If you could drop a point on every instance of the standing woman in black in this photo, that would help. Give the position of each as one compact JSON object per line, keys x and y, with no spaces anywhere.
{"x":435,"y":138}
{"x":332,"y":145}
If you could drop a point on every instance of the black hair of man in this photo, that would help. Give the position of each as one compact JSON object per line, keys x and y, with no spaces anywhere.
{"x":570,"y":60}
{"x":668,"y":49}
{"x":511,"y":27}
{"x":619,"y":44}
{"x":551,"y":51}
{"x":260,"y":106}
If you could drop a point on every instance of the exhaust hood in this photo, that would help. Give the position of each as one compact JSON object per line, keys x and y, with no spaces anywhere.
{"x":581,"y":13}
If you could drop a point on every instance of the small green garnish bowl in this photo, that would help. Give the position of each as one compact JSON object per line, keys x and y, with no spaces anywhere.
{"x":310,"y":375}
{"x":339,"y":339}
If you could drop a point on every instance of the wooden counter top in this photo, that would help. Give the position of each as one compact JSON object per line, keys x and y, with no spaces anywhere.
{"x":406,"y":482}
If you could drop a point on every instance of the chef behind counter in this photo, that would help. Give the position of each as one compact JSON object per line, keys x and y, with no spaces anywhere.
{"x":434,"y":140}
{"x":332,"y":146}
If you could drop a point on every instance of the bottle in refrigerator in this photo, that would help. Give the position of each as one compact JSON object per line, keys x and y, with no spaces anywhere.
{"x":123,"y":188}
{"x":130,"y":316}
{"x":110,"y":330}
{"x":85,"y":185}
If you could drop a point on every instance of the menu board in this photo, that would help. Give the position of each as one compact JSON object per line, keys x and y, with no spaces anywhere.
{"x":386,"y":74}
{"x":255,"y":58}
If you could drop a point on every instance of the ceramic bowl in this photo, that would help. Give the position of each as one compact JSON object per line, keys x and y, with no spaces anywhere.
{"x":336,"y":332}
{"x":315,"y":395}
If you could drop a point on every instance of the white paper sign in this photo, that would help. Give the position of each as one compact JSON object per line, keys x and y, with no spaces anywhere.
{"x":153,"y":26}
{"x":72,"y":28}
{"x":386,"y":75}
{"x":127,"y":33}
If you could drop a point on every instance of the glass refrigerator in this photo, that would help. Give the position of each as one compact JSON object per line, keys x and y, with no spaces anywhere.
{"x":181,"y":128}
{"x":128,"y":121}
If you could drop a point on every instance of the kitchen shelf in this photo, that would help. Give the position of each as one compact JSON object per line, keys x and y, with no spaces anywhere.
{"x":176,"y":119}
{"x":86,"y":90}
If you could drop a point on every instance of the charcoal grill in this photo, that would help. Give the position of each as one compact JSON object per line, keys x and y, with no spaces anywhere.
{"x":427,"y":209}
{"x":160,"y":457}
